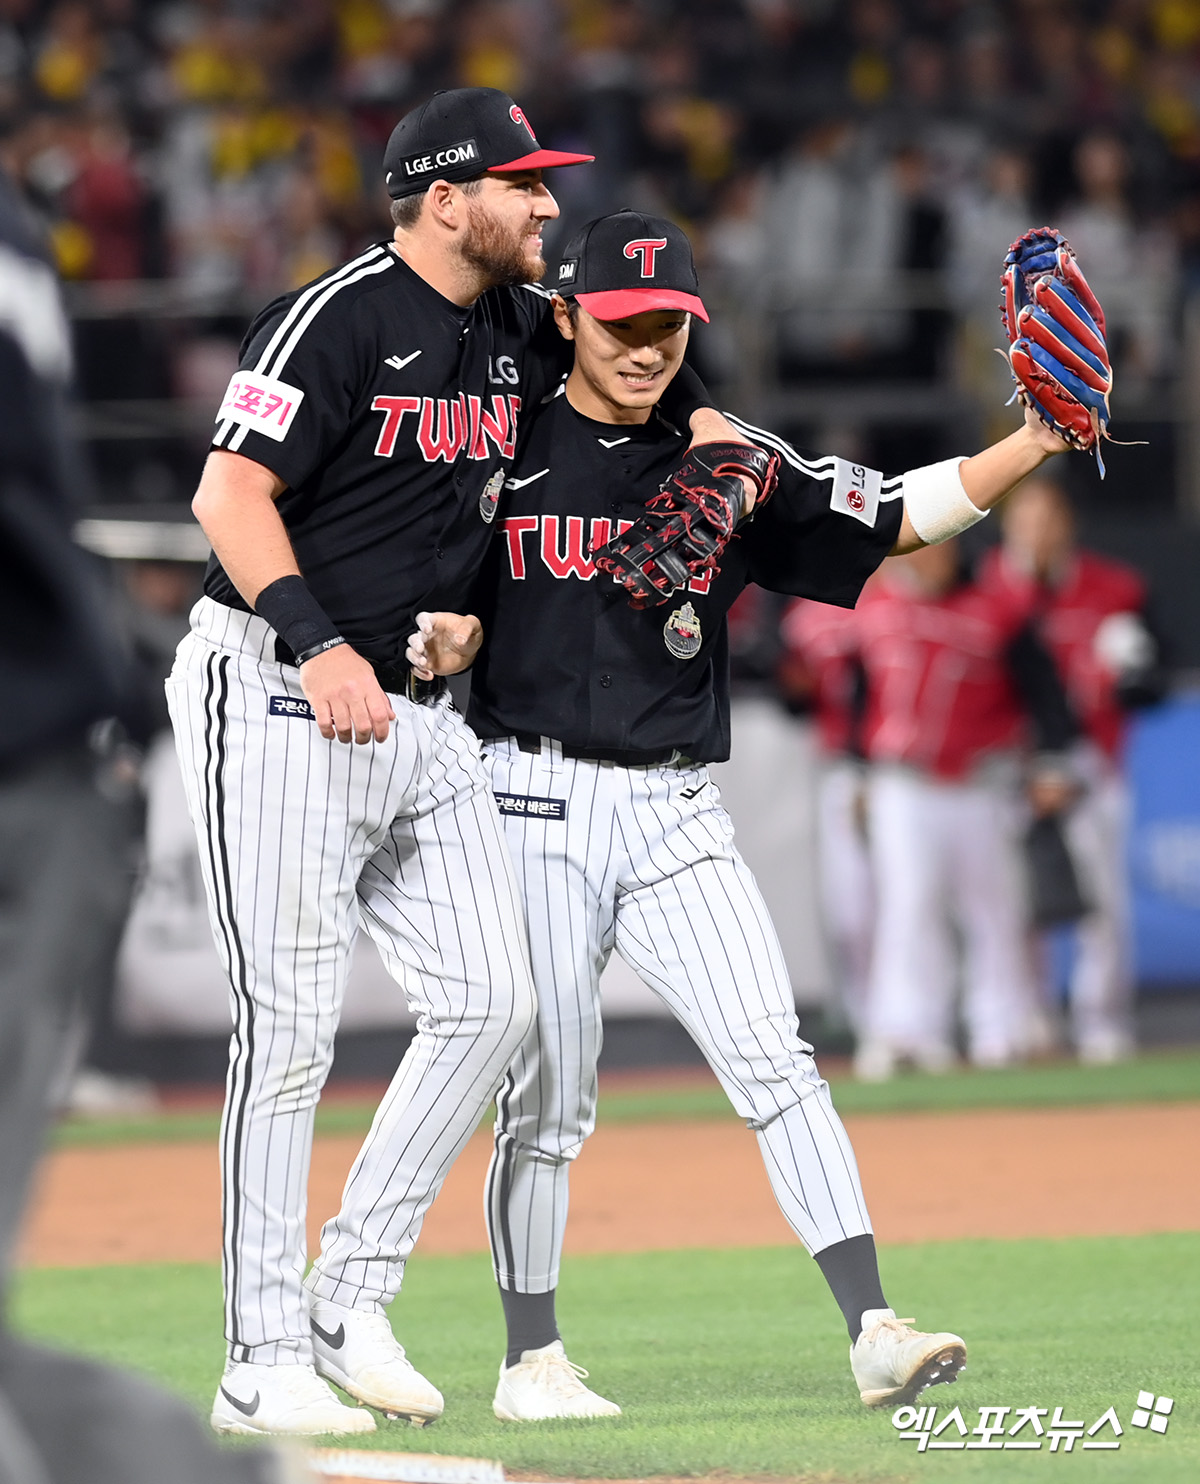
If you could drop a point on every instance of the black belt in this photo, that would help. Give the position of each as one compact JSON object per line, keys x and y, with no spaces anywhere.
{"x":397,"y":680}
{"x":529,"y":742}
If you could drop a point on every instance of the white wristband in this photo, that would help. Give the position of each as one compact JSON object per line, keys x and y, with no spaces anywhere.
{"x":937,"y":504}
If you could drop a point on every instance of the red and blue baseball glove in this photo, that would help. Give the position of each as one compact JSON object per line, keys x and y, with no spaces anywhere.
{"x":1056,"y":334}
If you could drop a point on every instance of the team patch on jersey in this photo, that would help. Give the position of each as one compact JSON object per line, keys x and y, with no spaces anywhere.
{"x":530,"y":808}
{"x":489,"y":496}
{"x":856,"y":491}
{"x":261,"y":402}
{"x":681,"y":633}
{"x":290,"y":706}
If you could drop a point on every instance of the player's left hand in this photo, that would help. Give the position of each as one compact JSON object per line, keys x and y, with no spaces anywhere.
{"x":444,"y":644}
{"x":1043,"y":435}
{"x":710,"y":426}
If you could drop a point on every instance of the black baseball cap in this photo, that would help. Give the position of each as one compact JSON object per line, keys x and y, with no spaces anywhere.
{"x":461,"y":133}
{"x":628,"y":263}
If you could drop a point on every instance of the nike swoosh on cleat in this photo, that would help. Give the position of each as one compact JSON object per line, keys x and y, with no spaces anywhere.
{"x":401,"y":362}
{"x":247,"y":1409}
{"x":335,"y":1338}
{"x":519,"y":484}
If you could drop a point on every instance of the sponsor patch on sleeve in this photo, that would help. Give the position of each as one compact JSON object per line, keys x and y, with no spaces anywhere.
{"x":290,"y":706}
{"x":261,"y":402}
{"x":531,"y":808}
{"x":856,"y":491}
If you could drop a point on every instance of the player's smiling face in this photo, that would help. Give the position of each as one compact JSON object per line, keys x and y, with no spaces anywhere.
{"x":622,"y":367}
{"x":503,"y":240}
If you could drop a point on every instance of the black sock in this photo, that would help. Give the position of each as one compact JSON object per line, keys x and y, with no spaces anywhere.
{"x":530,"y":1320}
{"x":852,"y":1271}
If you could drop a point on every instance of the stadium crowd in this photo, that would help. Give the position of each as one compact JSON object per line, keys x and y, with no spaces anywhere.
{"x":236,"y":142}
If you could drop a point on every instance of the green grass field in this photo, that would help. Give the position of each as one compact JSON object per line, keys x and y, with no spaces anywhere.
{"x":1165,"y":1076}
{"x":735,"y":1362}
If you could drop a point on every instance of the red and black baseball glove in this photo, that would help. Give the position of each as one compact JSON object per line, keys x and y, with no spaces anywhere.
{"x":687,"y":525}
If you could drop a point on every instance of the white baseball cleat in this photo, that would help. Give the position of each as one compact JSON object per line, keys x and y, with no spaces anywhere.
{"x":544,"y":1384}
{"x":893,"y":1363}
{"x":254,"y":1399}
{"x":359,"y":1351}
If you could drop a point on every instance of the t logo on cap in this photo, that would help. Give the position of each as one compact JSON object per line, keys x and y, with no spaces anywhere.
{"x":614,"y":273}
{"x":647,"y":247}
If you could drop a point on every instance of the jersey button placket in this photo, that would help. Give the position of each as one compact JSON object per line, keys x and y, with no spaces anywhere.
{"x":605,"y":682}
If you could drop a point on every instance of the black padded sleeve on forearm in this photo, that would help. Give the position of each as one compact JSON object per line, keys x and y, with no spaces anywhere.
{"x":685,"y":395}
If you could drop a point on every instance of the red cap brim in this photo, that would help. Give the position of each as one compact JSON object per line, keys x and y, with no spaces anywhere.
{"x":541,"y":159}
{"x":621,"y":303}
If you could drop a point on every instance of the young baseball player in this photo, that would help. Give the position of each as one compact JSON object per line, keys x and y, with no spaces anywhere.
{"x":1090,"y":612}
{"x":357,"y":464}
{"x":597,"y":719}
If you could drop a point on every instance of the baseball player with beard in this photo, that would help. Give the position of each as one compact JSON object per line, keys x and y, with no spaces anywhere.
{"x":598,"y":719}
{"x":354,"y":478}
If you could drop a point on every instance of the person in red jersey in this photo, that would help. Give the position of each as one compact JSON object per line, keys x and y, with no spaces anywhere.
{"x":820,"y":668}
{"x":960,"y":694}
{"x":1090,"y":613}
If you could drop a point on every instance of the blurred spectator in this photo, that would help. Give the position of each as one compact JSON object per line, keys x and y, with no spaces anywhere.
{"x":106,"y":201}
{"x":1090,"y":611}
{"x":820,"y":671}
{"x":1130,"y":264}
{"x":986,"y":94}
{"x":833,"y":234}
{"x":70,"y":53}
{"x":985,"y":217}
{"x":958,"y":693}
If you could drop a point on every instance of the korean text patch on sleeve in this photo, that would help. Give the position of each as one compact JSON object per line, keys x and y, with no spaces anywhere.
{"x":262,"y":403}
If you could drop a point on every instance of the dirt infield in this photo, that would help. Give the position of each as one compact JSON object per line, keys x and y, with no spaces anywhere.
{"x":1001,"y":1173}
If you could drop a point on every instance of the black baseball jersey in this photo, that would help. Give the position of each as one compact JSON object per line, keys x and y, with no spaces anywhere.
{"x":565,"y":656}
{"x":362,"y":392}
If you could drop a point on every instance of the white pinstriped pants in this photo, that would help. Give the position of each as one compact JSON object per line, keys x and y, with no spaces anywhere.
{"x":644,"y":862}
{"x":301,"y":839}
{"x":1101,"y":988}
{"x":948,"y":851}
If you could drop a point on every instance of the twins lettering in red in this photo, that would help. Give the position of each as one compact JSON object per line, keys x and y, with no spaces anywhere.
{"x":447,"y":427}
{"x":563,"y":549}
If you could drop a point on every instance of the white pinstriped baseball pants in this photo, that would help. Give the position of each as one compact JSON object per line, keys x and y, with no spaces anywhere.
{"x":644,"y":862}
{"x":301,"y":840}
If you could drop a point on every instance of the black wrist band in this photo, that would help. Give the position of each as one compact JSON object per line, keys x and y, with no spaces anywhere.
{"x":297,"y":617}
{"x":316,"y":649}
